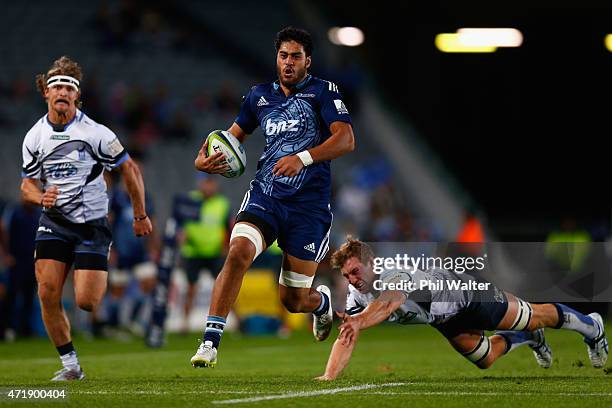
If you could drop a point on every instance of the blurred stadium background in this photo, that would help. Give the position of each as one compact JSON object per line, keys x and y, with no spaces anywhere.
{"x":504,"y":146}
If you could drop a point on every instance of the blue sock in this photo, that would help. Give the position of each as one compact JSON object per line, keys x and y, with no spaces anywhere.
{"x":515,"y":339}
{"x":574,"y":320}
{"x":214,"y":330}
{"x":113,"y":312}
{"x":322,"y":309}
{"x":136,"y":308}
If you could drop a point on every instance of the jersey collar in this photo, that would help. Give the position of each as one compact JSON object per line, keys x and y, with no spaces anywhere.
{"x":300,"y":85}
{"x":60,"y":128}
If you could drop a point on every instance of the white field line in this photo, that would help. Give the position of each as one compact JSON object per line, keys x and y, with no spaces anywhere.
{"x":302,"y":394}
{"x":158,"y":392}
{"x":334,"y":391}
{"x":566,"y":394}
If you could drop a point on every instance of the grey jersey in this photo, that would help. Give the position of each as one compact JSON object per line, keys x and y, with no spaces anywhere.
{"x":408,"y":313}
{"x":73,"y":159}
{"x":440,"y":303}
{"x":444,"y":302}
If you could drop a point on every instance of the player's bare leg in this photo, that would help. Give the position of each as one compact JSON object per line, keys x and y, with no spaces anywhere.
{"x":228,"y":283}
{"x":297,"y":295}
{"x":533,"y":318}
{"x":296,"y":299}
{"x":478,"y":348}
{"x":51,"y":276}
{"x":242,"y":251}
{"x":89,"y":288}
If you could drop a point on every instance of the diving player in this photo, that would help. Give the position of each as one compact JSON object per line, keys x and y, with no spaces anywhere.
{"x":67,"y":152}
{"x":306,"y":125}
{"x":460,"y":315}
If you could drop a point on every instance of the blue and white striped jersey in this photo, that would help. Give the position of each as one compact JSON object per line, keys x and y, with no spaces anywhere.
{"x":292,"y":124}
{"x":73,"y":158}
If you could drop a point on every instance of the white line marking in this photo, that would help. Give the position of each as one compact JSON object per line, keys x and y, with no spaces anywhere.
{"x":302,"y":394}
{"x":158,"y":392}
{"x":566,"y":394}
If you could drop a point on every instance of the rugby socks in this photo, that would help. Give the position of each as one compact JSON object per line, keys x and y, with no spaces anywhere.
{"x":137,"y":307}
{"x":69,"y":357}
{"x":323,"y":307}
{"x":516,"y":339}
{"x":574,"y":320}
{"x":113,"y":312}
{"x":214,"y":330}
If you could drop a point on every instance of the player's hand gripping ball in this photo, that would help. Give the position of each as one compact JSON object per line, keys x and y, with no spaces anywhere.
{"x":222,"y":141}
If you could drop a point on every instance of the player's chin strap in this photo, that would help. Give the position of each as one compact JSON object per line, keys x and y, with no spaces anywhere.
{"x":294,"y":279}
{"x":523,"y":316}
{"x":63,"y":80}
{"x":251,"y":233}
{"x":481,"y":351}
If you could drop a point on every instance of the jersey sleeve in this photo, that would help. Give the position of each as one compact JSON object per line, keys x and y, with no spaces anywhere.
{"x":352,"y":304}
{"x":333,"y":108}
{"x":247,"y":120}
{"x":31,"y":167}
{"x":108,"y":148}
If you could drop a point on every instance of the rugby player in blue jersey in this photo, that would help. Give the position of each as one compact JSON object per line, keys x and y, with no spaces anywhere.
{"x":306,"y":125}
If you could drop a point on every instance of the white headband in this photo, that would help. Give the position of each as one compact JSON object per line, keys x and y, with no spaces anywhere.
{"x":63,"y":80}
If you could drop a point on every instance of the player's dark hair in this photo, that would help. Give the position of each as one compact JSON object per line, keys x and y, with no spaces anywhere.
{"x":62,"y":66}
{"x":351,"y":248}
{"x":298,"y":35}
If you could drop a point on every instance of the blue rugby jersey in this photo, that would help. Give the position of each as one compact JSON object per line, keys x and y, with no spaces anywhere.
{"x":292,"y":124}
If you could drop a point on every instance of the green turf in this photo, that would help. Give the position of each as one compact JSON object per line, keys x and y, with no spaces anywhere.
{"x":432,"y":374}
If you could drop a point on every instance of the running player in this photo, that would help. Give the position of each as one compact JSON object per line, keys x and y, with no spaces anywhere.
{"x":67,"y":152}
{"x":306,"y":125}
{"x":460,"y":315}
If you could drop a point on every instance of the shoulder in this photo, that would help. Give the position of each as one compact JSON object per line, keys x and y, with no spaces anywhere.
{"x":323,"y":85}
{"x":260,"y":89}
{"x":355,"y":296}
{"x":97,"y":130}
{"x":86,"y":121}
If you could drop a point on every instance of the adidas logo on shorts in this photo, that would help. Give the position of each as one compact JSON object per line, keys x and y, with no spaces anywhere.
{"x":262,"y":101}
{"x":310,"y":247}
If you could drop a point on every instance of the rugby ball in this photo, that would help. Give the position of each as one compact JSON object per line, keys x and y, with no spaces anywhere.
{"x":226,"y":143}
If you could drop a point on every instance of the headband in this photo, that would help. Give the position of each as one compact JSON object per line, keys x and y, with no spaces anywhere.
{"x":63,"y":80}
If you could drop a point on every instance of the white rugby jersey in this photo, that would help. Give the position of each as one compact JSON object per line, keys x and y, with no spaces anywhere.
{"x":73,"y":157}
{"x":442,"y":303}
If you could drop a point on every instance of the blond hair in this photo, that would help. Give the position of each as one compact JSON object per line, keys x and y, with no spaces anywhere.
{"x":351,"y":248}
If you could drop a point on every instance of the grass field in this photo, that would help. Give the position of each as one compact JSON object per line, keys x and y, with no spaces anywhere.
{"x":392,"y":366}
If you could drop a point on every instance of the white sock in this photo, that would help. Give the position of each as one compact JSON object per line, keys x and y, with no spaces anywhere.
{"x":71,"y":361}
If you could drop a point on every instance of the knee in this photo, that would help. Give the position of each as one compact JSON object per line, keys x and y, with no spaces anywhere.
{"x":87,"y":303}
{"x":239,"y":257}
{"x":486,"y":363}
{"x":49,"y":295}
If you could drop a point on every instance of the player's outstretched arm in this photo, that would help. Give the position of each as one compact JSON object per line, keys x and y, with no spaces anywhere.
{"x":377,"y":312}
{"x":338,"y":359}
{"x":134,"y":184}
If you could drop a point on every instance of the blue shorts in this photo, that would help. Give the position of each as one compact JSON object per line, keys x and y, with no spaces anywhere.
{"x":485,"y":312}
{"x":301,"y":228}
{"x":86,"y":245}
